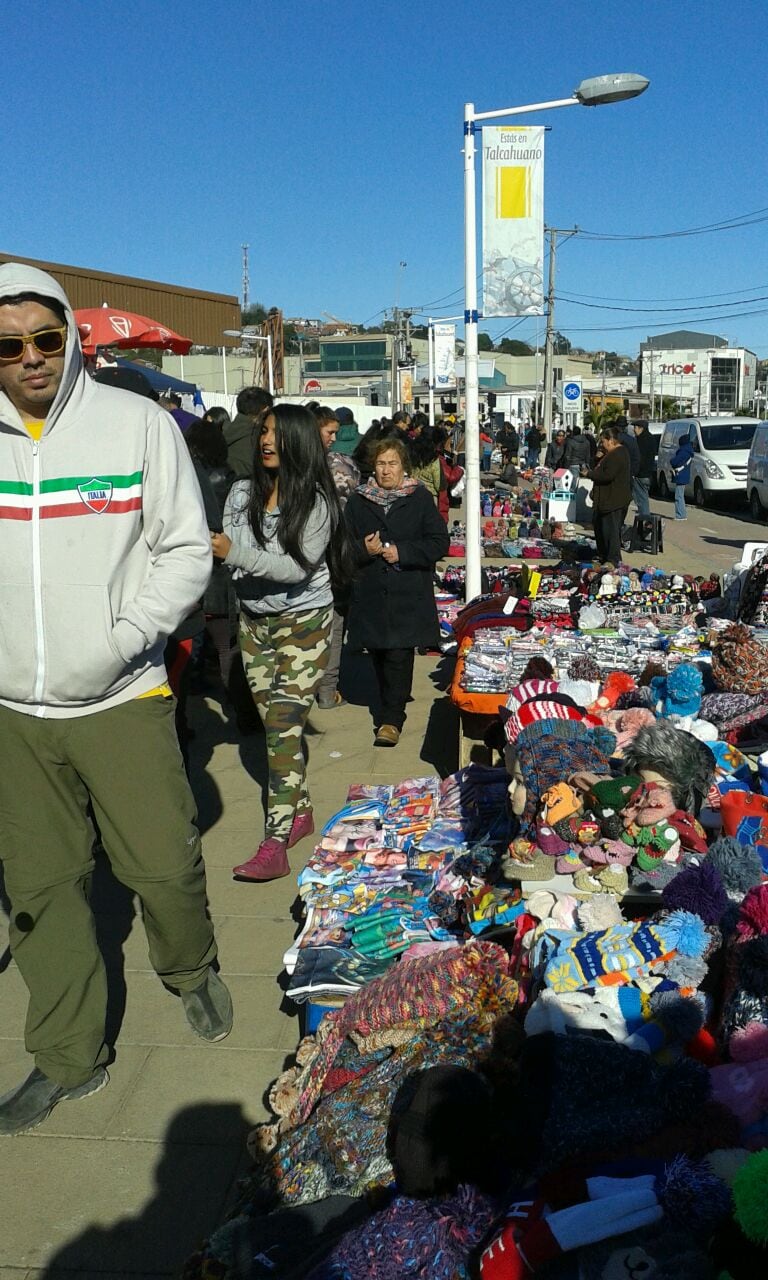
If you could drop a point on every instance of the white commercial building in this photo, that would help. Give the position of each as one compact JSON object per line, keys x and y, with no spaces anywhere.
{"x":705,"y":375}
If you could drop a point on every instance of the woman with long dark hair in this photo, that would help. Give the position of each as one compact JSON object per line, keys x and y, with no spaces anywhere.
{"x":425,"y":462}
{"x":285,"y":540}
{"x":217,"y":416}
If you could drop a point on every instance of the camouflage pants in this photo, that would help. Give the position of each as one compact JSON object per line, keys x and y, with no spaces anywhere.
{"x":284,"y":656}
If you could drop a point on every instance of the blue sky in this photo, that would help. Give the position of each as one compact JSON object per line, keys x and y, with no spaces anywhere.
{"x":152,"y":139}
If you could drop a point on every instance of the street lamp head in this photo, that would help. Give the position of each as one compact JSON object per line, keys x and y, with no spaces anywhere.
{"x":232,"y":333}
{"x":599,"y":90}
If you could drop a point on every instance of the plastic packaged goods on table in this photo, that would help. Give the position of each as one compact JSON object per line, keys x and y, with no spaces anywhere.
{"x":366,"y":888}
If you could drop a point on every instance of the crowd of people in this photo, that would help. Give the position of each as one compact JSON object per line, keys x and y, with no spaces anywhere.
{"x":133,"y":531}
{"x":263,"y":537}
{"x":267,"y":536}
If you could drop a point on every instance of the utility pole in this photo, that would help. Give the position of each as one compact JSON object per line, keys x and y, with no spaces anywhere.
{"x":394,"y":365}
{"x":549,"y":341}
{"x":246,"y":277}
{"x":549,"y":344}
{"x":407,"y":353}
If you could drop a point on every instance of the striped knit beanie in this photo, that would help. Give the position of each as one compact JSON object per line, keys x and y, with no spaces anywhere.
{"x":540,"y":709}
{"x":530,"y":689}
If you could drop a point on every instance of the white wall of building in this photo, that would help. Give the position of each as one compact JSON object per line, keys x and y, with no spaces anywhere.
{"x":688,"y":375}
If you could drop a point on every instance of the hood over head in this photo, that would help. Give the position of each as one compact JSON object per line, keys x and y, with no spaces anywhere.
{"x":17,"y":278}
{"x":347,"y":438}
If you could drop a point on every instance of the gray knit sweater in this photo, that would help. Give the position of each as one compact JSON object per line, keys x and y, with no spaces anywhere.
{"x":268,"y":580}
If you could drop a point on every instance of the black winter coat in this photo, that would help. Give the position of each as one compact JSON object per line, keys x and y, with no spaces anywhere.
{"x":215,"y":483}
{"x":647,"y":447}
{"x":393,"y":606}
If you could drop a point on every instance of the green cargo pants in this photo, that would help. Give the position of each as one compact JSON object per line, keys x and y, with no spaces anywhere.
{"x":126,"y":761}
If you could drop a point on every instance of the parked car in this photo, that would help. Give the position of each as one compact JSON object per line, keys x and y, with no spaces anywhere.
{"x":757,"y":472}
{"x":720,"y":451}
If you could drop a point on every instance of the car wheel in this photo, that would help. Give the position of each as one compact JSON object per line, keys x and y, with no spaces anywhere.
{"x":698,"y":492}
{"x":756,"y":509}
{"x":663,"y":486}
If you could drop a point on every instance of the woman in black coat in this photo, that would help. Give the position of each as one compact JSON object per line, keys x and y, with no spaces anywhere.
{"x":399,"y":536}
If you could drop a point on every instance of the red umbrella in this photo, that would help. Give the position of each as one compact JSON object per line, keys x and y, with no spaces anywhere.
{"x":109,"y":327}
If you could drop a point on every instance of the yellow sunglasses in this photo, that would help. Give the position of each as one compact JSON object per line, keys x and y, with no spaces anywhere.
{"x":49,"y":342}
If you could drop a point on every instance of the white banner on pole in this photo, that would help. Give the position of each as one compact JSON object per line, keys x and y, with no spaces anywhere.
{"x":445,"y":356}
{"x":513,"y":220}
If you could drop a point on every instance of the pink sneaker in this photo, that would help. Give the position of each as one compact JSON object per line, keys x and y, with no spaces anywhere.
{"x":303,"y":825}
{"x":269,"y":862}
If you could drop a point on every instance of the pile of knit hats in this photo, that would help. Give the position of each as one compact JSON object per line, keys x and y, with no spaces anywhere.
{"x":610,"y":1028}
{"x":587,"y":822}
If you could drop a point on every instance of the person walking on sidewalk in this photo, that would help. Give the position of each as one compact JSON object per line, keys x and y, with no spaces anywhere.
{"x":105,"y":551}
{"x":346,"y":478}
{"x":243,"y":432}
{"x":578,"y":454}
{"x":681,"y":471}
{"x":534,"y":438}
{"x":347,"y":435}
{"x":283,"y":534}
{"x":399,"y":536}
{"x":641,"y":482}
{"x":554,"y":457}
{"x":425,"y":460}
{"x":610,"y":495}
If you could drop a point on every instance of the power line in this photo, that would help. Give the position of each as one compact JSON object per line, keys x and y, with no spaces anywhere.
{"x":713,"y":306}
{"x":617,"y":328}
{"x":694,"y":297}
{"x":727,"y":224}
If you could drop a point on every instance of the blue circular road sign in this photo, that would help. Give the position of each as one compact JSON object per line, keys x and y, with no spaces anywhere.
{"x":571,"y":390}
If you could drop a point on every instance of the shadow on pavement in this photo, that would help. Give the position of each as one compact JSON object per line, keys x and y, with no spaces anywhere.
{"x":441,"y":738}
{"x":357,"y":679}
{"x":738,"y":543}
{"x":185,"y":1205}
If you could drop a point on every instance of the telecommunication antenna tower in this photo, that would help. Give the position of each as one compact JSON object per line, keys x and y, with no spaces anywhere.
{"x":246,"y":277}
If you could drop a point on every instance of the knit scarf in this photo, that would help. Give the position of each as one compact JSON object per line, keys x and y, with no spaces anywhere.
{"x":387,"y":497}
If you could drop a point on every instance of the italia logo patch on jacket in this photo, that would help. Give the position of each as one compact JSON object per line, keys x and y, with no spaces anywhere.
{"x":96,"y":494}
{"x":71,"y":496}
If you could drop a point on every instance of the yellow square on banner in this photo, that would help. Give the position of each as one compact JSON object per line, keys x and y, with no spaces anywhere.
{"x":513,"y":191}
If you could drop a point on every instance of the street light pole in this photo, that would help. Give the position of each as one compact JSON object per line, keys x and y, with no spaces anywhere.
{"x":257,"y":337}
{"x":431,"y":369}
{"x":592,"y":92}
{"x":471,"y":368}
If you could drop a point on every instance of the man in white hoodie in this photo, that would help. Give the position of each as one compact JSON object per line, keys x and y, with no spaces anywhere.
{"x":104,"y":550}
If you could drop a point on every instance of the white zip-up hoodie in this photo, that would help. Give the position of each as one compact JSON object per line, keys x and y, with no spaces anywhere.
{"x":103,"y":540}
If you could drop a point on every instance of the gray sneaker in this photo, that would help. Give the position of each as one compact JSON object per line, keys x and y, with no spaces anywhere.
{"x":32,"y":1101}
{"x":330,"y":701}
{"x":209,"y":1008}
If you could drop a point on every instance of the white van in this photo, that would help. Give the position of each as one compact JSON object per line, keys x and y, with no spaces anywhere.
{"x":720,"y":451}
{"x":757,"y":473}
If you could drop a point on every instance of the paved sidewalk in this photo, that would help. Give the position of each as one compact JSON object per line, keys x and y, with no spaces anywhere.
{"x":125,"y":1183}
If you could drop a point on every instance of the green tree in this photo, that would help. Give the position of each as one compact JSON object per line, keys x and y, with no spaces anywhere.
{"x":256,"y":313}
{"x":484,"y":342}
{"x":561,"y":345}
{"x":599,"y":418}
{"x":669,"y":408}
{"x":513,"y":347}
